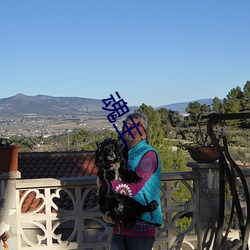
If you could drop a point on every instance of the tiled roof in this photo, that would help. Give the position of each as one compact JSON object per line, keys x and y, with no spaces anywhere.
{"x":56,"y":165}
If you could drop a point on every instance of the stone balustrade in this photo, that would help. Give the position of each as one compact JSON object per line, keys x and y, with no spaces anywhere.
{"x":189,"y":203}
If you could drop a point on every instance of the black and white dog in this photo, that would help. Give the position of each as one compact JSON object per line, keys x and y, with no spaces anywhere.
{"x":111,"y":158}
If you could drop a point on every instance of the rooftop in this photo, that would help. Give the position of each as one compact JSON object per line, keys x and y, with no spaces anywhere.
{"x":56,"y":165}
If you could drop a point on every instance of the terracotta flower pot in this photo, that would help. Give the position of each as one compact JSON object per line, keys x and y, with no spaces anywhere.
{"x":203,"y":154}
{"x":8,"y":158}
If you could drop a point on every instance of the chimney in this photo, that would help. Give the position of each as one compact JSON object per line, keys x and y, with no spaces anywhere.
{"x":8,"y":158}
{"x":8,"y":204}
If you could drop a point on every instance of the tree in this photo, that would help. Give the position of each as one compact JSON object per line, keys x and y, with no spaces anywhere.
{"x":195,"y":109}
{"x":82,"y":138}
{"x":164,"y":115}
{"x":172,"y":160}
{"x":165,"y":120}
{"x":176,"y":118}
{"x":246,"y":89}
{"x":233,"y":101}
{"x":26,"y":143}
{"x":217,"y":105}
{"x":109,"y":134}
{"x":156,"y":133}
{"x":246,"y":97}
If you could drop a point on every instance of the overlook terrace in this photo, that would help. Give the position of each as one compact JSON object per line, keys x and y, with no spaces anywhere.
{"x":50,"y":225}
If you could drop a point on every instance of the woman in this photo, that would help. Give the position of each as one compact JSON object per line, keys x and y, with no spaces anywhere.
{"x":145,"y":161}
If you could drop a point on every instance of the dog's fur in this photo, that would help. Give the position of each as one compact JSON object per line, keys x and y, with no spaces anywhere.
{"x":111,"y":158}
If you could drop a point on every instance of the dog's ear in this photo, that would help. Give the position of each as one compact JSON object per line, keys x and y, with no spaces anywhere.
{"x":121,"y":147}
{"x":98,"y":154}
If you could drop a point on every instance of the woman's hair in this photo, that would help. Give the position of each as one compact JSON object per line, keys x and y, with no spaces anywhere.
{"x":143,"y":119}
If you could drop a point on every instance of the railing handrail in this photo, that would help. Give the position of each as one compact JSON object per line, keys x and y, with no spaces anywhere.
{"x":90,"y":180}
{"x":53,"y":182}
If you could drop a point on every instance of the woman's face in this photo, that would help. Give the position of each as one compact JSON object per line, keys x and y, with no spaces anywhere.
{"x":137,"y":137}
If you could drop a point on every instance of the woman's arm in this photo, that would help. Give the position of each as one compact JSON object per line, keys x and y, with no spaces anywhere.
{"x":146,"y":167}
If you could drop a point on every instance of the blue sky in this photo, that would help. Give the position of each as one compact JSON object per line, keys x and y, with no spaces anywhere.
{"x":154,"y":52}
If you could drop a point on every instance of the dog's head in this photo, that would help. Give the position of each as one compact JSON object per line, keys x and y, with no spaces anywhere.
{"x":107,"y":152}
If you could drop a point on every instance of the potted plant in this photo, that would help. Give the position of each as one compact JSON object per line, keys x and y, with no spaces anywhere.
{"x":8,"y":156}
{"x":201,"y":149}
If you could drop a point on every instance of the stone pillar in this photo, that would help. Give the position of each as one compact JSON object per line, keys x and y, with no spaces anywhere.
{"x":208,"y":201}
{"x":8,"y":210}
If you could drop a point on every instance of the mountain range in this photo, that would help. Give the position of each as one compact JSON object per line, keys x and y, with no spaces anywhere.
{"x":49,"y":105}
{"x":181,"y":106}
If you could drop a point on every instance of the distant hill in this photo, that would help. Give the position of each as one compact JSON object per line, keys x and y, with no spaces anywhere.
{"x":181,"y":106}
{"x":49,"y":105}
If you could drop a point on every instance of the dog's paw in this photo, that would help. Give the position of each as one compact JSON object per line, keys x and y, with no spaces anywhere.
{"x":119,"y":210}
{"x":133,"y":177}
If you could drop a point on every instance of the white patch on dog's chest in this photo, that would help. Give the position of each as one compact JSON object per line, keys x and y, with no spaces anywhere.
{"x":115,"y":168}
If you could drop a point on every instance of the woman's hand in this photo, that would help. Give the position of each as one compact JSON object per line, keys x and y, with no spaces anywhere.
{"x":107,"y":218}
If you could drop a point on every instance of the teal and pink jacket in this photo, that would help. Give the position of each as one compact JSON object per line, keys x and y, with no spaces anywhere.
{"x":145,"y":161}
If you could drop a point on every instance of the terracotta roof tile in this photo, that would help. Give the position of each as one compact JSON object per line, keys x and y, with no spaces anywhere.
{"x":90,"y":200}
{"x":56,"y":165}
